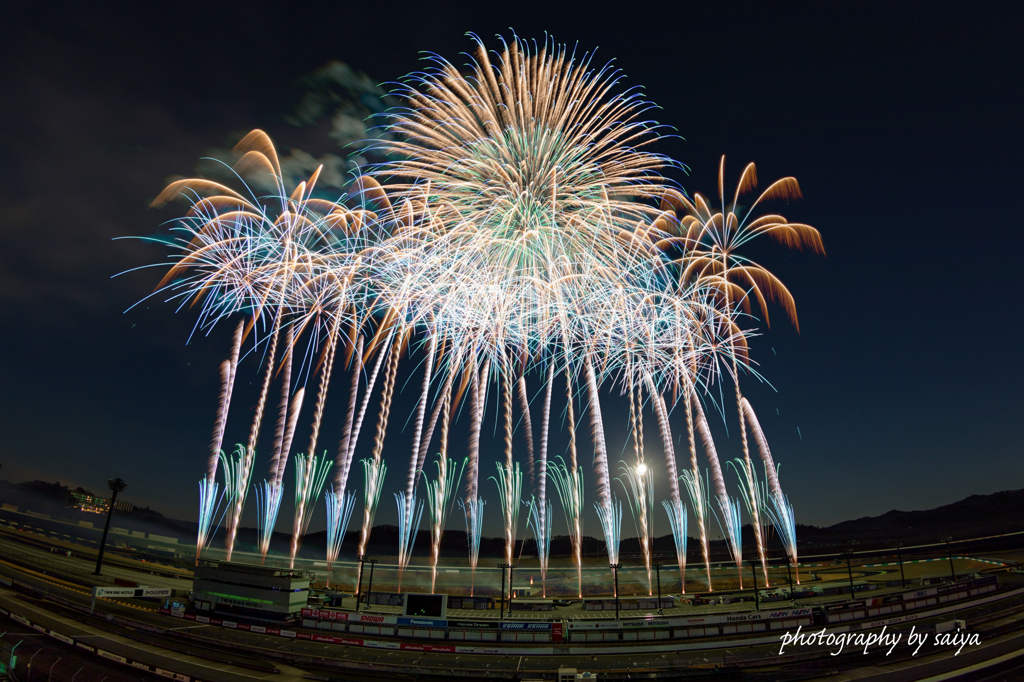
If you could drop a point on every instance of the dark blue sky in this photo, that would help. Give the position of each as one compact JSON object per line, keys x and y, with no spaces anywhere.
{"x":901,"y":125}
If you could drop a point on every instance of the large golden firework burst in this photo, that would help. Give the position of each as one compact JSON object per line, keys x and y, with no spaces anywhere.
{"x":533,"y":155}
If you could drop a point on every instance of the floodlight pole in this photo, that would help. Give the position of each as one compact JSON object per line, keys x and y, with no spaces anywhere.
{"x":899,"y":556}
{"x":511,"y":567}
{"x":615,"y":573}
{"x":849,"y":570}
{"x":359,"y":583}
{"x":949,"y":549}
{"x":369,"y":590}
{"x":657,"y":571}
{"x":753,"y":572}
{"x":116,"y":485}
{"x":501,"y":616}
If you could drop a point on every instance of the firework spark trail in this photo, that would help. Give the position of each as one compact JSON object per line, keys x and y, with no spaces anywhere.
{"x":407,"y":513}
{"x":730,"y":521}
{"x":473,"y":510}
{"x":574,"y":490}
{"x":717,"y":236}
{"x":353,"y":436}
{"x":542,"y":520}
{"x":438,"y":410}
{"x":289,"y":435}
{"x":700,"y":507}
{"x":235,"y":512}
{"x":282,"y":419}
{"x":310,"y":476}
{"x":339,"y":500}
{"x":375,"y":468}
{"x":781,"y":514}
{"x":524,"y":403}
{"x":639,"y":485}
{"x":209,"y":497}
{"x":752,"y":493}
{"x":343,"y":461}
{"x":417,"y":438}
{"x":647,"y":516}
{"x":237,"y":475}
{"x":610,"y":518}
{"x":697,"y":489}
{"x":228,"y":369}
{"x":307,"y":486}
{"x":676,"y":511}
{"x":674,"y":505}
{"x":273,"y":490}
{"x":753,"y":507}
{"x":510,"y":477}
{"x":410,"y":512}
{"x":339,"y":513}
{"x":537,"y":520}
{"x":439,"y":492}
{"x":728,"y":508}
{"x":510,"y":488}
{"x":639,"y":488}
{"x":512,"y":229}
{"x":473,"y":506}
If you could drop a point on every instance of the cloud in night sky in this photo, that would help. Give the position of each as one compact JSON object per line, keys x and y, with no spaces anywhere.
{"x":904,"y":134}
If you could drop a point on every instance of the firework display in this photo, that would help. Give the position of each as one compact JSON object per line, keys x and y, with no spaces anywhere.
{"x":521,"y":235}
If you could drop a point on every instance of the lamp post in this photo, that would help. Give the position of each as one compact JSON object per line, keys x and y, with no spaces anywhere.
{"x":116,"y":485}
{"x":899,"y":557}
{"x":369,"y":589}
{"x":657,"y":572}
{"x":949,"y":550}
{"x":503,"y":567}
{"x":849,"y":570}
{"x":363,"y":559}
{"x":615,"y":573}
{"x":753,"y":572}
{"x":511,"y":568}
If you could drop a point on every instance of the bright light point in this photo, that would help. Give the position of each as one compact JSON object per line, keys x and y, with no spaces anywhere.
{"x":641,"y":470}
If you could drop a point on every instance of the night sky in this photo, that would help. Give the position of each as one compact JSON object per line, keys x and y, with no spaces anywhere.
{"x":903,"y":127}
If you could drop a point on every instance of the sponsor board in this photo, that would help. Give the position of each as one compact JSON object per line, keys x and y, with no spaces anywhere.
{"x":479,"y":650}
{"x":113,"y":657}
{"x":131,"y":592}
{"x":436,"y":648}
{"x":688,"y":622}
{"x":525,"y":626}
{"x":653,"y":623}
{"x":61,"y":638}
{"x":472,"y":625}
{"x":423,"y":622}
{"x":371,"y":619}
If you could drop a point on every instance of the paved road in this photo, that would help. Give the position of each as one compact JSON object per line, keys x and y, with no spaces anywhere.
{"x":152,"y":654}
{"x":80,"y":568}
{"x":323,"y":657}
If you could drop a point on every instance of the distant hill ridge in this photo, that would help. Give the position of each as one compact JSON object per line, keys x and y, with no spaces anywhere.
{"x":974,"y":516}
